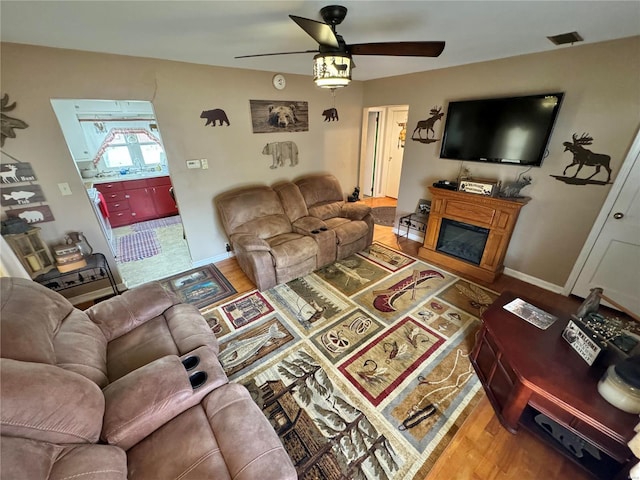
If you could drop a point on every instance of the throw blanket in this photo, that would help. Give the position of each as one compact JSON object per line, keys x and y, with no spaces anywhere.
{"x":281,"y":152}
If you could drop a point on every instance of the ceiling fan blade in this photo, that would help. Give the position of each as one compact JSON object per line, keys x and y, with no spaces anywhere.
{"x":280,"y":53}
{"x":398,"y":49}
{"x":320,"y":32}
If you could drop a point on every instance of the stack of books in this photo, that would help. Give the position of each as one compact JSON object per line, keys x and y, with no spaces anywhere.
{"x":68,"y":258}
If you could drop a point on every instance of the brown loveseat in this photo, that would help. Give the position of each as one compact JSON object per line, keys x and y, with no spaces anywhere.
{"x":131,"y":388}
{"x":286,"y":231}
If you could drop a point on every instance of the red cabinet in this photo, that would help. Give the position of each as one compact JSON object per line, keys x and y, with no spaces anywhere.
{"x":138,"y":200}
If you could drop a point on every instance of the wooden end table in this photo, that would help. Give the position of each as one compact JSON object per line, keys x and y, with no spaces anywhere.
{"x":527,"y":372}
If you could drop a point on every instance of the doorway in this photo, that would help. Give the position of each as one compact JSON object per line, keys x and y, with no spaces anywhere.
{"x":382,"y":147}
{"x":117,"y":149}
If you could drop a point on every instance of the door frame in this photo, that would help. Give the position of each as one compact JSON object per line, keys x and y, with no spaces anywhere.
{"x":371,"y":159}
{"x":607,"y":206}
{"x":381,"y":150}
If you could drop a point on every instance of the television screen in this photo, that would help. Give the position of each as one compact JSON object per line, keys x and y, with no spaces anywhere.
{"x":512,"y":130}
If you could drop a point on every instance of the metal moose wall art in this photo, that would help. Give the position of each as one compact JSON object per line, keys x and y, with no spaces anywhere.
{"x":427,"y":126}
{"x":7,"y":123}
{"x":583,"y":156}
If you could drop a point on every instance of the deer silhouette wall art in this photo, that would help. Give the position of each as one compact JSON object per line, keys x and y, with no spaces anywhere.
{"x":583,"y":156}
{"x":427,"y":125}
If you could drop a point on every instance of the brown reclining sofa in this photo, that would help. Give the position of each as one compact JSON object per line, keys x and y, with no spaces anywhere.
{"x":286,"y":231}
{"x":130,"y":388}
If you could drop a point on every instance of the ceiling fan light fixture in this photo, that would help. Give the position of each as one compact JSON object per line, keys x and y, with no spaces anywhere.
{"x":332,"y":70}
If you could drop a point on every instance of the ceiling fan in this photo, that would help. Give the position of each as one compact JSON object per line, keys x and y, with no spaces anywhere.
{"x":333,"y":64}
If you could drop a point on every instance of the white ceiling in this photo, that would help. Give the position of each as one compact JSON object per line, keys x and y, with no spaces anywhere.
{"x":213,"y":32}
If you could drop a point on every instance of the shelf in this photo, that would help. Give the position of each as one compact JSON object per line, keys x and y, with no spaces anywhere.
{"x":605,"y":468}
{"x":96,"y":269}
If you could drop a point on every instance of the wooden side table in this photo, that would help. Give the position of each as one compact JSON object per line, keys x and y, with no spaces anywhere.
{"x":532,"y":376}
{"x":97,"y":268}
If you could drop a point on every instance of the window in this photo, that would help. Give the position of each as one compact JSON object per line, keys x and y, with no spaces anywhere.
{"x":131,"y":148}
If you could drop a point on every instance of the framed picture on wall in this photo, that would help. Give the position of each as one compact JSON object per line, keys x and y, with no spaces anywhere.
{"x":269,"y":116}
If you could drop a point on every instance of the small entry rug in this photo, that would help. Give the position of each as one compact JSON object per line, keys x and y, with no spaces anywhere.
{"x":138,"y":245}
{"x":202,"y":286}
{"x":156,"y":223}
{"x":385,"y":216}
{"x":361,"y":367}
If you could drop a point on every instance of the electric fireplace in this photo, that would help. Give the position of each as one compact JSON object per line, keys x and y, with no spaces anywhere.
{"x":462,"y":240}
{"x":470,"y":233}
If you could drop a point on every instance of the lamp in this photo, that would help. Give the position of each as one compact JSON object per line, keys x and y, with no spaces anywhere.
{"x":332,"y":70}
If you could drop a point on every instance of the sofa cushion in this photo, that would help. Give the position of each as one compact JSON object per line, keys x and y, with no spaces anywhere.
{"x":81,"y":347}
{"x":225,"y":437}
{"x":27,"y":333}
{"x":179,"y":330}
{"x":121,"y":314}
{"x":351,"y":231}
{"x":30,"y":459}
{"x":266,"y":226}
{"x":320,"y":189}
{"x":327,"y":210}
{"x":292,"y":200}
{"x":238,"y":207}
{"x":50,"y":404}
{"x":291,"y":249}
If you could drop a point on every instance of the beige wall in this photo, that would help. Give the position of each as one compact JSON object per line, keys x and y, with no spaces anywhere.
{"x":179,"y":92}
{"x":602,"y":97}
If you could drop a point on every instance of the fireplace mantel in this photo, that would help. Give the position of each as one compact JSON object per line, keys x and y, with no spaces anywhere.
{"x":498,"y":215}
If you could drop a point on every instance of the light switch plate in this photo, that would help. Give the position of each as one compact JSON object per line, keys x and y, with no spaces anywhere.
{"x":64,"y":188}
{"x":205,"y":163}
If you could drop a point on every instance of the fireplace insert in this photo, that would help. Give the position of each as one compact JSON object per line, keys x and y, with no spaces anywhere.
{"x":462,"y":240}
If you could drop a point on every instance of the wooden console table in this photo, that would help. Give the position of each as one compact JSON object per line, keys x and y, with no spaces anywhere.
{"x":527,"y":371}
{"x":498,"y":215}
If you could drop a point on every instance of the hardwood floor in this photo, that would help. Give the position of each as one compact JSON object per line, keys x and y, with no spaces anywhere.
{"x":482,"y":449}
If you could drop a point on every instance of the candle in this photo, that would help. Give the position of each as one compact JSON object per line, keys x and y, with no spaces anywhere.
{"x":34,"y":263}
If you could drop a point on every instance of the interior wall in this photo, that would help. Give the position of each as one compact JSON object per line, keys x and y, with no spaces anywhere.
{"x":602,"y":97}
{"x":179,"y":92}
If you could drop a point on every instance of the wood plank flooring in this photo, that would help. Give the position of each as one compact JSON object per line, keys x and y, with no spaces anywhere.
{"x":482,"y":449}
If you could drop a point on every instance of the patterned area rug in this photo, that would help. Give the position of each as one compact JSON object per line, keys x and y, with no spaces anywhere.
{"x":138,"y":245}
{"x":202,"y":286}
{"x":385,"y":216}
{"x":362,"y":366}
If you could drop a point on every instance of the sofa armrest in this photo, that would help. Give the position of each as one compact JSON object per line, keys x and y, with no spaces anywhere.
{"x":121,"y":314}
{"x":142,"y":401}
{"x":355,"y":211}
{"x":309,"y":226}
{"x":249,"y":243}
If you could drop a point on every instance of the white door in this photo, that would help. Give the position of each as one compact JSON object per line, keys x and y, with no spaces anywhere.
{"x":613,"y":258}
{"x":395,"y":150}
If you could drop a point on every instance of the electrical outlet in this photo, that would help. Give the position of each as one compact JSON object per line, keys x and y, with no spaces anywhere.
{"x":193,"y":163}
{"x":205,"y":163}
{"x":64,"y":188}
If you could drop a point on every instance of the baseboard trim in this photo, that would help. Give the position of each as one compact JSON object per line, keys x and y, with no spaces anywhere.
{"x":207,"y":261}
{"x":412,"y":236}
{"x":95,"y":294}
{"x":535,"y":281}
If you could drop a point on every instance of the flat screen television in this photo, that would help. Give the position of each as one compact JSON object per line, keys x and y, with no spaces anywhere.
{"x":512,"y":130}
